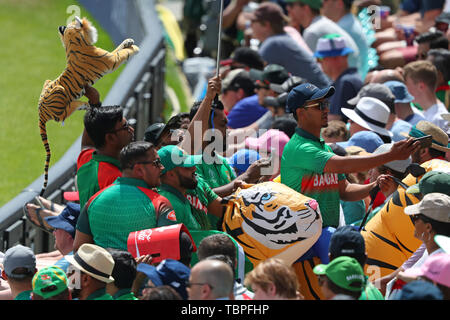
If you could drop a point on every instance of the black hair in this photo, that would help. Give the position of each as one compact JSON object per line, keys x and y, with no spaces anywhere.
{"x":441,"y":60}
{"x":215,"y":105}
{"x":434,"y":153}
{"x":439,"y":43}
{"x":186,"y":248}
{"x":133,"y":152}
{"x":428,"y":36}
{"x":175,"y":122}
{"x":285,"y":124}
{"x":99,"y":121}
{"x":242,"y":81}
{"x":194,"y":109}
{"x":124,"y":271}
{"x":217,"y":244}
{"x":251,"y":58}
{"x":442,"y":228}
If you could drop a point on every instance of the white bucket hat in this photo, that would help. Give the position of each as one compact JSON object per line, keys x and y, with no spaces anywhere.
{"x":93,"y":260}
{"x":370,"y":113}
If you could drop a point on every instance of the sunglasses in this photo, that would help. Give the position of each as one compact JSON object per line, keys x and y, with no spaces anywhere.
{"x":420,"y":216}
{"x":125,"y":126}
{"x":157,"y":163}
{"x":322,"y":105}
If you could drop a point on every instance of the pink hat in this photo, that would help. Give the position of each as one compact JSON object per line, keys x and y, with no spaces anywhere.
{"x":435,"y":268}
{"x":272,"y":139}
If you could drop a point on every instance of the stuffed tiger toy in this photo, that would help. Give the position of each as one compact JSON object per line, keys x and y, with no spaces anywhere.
{"x":85,"y":65}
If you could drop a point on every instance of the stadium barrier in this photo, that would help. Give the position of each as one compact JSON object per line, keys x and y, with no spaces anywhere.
{"x":139,"y":89}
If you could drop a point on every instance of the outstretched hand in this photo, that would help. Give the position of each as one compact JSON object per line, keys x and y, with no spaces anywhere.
{"x":401,"y":150}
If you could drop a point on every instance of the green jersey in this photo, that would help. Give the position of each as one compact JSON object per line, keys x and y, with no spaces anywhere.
{"x":217,"y":173}
{"x":100,"y":295}
{"x":99,"y":172}
{"x":304,"y":158}
{"x":181,"y":206}
{"x":125,"y":206}
{"x":200,"y":198}
{"x":124,"y":294}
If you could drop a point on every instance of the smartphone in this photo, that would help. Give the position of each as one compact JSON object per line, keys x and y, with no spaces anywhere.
{"x":425,"y":141}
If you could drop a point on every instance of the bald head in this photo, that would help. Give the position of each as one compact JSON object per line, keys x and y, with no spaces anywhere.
{"x":215,"y":275}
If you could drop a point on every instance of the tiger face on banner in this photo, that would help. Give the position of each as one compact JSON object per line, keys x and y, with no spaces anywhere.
{"x":86,"y":64}
{"x":269,"y":217}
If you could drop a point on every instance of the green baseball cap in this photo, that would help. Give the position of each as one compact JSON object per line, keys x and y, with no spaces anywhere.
{"x":315,"y":4}
{"x":173,"y":157}
{"x":432,"y":181}
{"x":345,"y":272}
{"x":49,"y":282}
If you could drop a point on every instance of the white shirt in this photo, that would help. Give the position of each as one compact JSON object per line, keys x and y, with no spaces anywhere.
{"x":433,"y":115}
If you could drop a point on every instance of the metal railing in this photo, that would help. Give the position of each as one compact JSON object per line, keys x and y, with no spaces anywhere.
{"x":139,"y":89}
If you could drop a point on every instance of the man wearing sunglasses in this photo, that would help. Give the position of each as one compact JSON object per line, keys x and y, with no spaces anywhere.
{"x":127,"y":205}
{"x":309,"y":166}
{"x":106,"y":133}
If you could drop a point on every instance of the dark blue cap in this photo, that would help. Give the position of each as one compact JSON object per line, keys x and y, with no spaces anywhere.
{"x":169,"y":272}
{"x":67,"y":219}
{"x":419,"y":290}
{"x":347,"y":241}
{"x":304,"y":93}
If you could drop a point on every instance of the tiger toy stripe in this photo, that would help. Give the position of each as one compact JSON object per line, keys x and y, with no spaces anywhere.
{"x":86,"y":64}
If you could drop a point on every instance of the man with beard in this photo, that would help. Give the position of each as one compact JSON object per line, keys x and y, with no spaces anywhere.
{"x":127,"y":205}
{"x":189,"y":195}
{"x":309,"y":166}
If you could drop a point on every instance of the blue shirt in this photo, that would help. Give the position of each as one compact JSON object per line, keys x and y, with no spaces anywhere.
{"x":283,"y":50}
{"x":245,"y":112}
{"x":399,"y":127}
{"x":414,"y":118}
{"x":347,"y":86}
{"x":422,"y":6}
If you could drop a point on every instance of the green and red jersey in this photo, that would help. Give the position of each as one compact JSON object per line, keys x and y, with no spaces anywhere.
{"x":126,"y":206}
{"x":304,"y":158}
{"x":97,"y":172}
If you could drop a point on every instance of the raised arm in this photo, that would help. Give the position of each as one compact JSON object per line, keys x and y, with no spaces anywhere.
{"x":202,"y":116}
{"x":401,"y":150}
